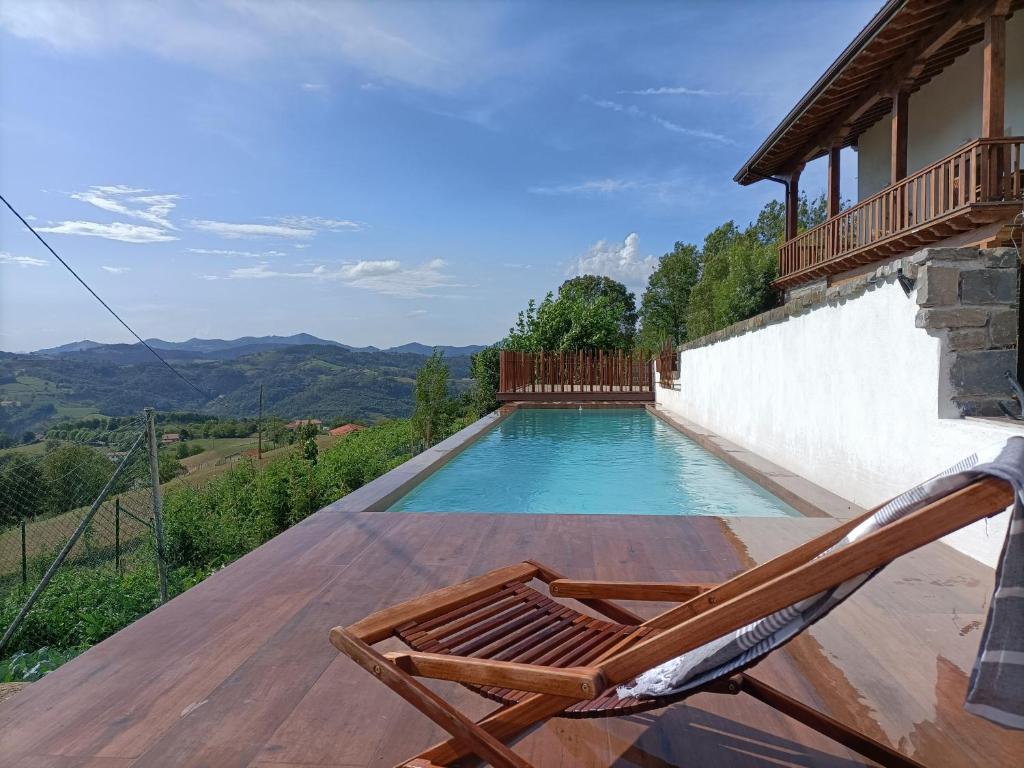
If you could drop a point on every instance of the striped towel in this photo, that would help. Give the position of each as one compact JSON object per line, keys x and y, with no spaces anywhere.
{"x":996,"y":689}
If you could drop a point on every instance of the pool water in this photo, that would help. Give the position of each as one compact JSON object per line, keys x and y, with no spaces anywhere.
{"x":589,"y":461}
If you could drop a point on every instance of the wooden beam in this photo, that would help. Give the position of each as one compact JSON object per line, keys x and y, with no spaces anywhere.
{"x":573,"y":682}
{"x":900,"y":75}
{"x":993,"y":90}
{"x":900,"y":109}
{"x":653,"y":591}
{"x":833,"y":182}
{"x":793,"y":203}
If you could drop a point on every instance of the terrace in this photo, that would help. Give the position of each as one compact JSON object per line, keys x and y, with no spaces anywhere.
{"x":576,"y":376}
{"x":238,"y":671}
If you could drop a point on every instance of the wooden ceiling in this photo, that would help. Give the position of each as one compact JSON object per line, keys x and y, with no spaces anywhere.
{"x":905,"y":45}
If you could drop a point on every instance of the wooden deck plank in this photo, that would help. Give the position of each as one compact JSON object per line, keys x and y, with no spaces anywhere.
{"x":239,"y":671}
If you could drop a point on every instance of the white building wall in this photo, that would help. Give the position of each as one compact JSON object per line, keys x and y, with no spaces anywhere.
{"x":845,"y":395}
{"x":944,"y":114}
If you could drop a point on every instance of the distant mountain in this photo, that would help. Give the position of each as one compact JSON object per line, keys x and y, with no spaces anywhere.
{"x":423,"y":349}
{"x":226,"y":349}
{"x":74,"y":346}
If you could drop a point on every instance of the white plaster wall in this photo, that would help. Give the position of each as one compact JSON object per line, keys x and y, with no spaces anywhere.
{"x":944,"y":114}
{"x":846,"y":396}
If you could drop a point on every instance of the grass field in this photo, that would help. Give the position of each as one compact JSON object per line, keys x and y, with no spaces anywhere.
{"x":45,"y":536}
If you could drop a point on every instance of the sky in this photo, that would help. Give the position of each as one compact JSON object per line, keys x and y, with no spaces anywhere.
{"x":376,"y":173}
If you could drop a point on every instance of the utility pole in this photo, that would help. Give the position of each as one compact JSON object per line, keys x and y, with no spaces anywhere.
{"x":259,"y":429}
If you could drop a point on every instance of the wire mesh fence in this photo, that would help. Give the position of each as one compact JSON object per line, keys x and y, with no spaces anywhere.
{"x":78,"y":519}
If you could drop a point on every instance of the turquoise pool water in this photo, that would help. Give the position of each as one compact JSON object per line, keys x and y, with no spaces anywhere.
{"x":590,"y":461}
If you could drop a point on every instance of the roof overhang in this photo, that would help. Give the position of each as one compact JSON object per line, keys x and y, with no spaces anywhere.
{"x":906,"y":44}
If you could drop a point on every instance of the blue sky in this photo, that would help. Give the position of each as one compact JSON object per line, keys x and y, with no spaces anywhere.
{"x":375,"y":173}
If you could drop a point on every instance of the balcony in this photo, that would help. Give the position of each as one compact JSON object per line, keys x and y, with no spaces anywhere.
{"x":575,"y":376}
{"x":979,"y":184}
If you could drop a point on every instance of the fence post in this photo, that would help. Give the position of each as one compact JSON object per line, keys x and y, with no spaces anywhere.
{"x":158,"y":519}
{"x":69,"y":545}
{"x":24,"y":554}
{"x":117,"y":534}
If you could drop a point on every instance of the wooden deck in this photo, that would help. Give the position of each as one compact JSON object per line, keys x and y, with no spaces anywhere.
{"x":239,"y":671}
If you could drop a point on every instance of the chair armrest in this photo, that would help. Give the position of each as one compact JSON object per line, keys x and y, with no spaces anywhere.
{"x":655,"y":591}
{"x":571,"y":682}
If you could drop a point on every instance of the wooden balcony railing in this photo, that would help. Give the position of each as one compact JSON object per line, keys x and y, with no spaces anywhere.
{"x":667,"y":364}
{"x":985,"y":173}
{"x":581,"y":374}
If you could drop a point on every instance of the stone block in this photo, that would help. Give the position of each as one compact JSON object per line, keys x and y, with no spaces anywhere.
{"x":944,"y":254}
{"x":983,"y":407}
{"x":951,"y":317}
{"x":999,"y":258}
{"x":988,"y":286}
{"x":937,"y":286}
{"x":983,"y":373}
{"x":1002,"y":328}
{"x":968,"y":338}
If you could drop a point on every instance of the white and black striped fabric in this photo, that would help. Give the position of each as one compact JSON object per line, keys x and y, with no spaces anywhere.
{"x":996,"y":689}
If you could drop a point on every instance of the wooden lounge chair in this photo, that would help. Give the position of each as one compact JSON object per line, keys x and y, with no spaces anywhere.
{"x":539,"y":658}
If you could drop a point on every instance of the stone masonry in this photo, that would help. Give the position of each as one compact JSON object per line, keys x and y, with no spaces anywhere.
{"x":967,"y":297}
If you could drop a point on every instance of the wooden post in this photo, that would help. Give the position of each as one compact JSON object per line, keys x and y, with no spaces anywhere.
{"x":993,"y":89}
{"x":833,"y":182}
{"x":259,"y":429}
{"x":898,"y":165}
{"x":24,"y":554}
{"x":117,"y":534}
{"x":793,"y":203}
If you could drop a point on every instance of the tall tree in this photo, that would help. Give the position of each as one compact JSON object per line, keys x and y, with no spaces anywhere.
{"x":485,"y":369}
{"x":664,"y":305}
{"x":431,"y":415}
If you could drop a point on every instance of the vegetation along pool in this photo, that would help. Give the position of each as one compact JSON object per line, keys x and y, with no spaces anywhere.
{"x":589,"y":461}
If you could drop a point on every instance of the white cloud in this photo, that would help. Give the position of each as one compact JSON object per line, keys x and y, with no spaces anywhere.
{"x":131,"y":201}
{"x":21,"y":261}
{"x":369,"y":87}
{"x":669,"y":90}
{"x":634,"y":111}
{"x":416,"y":313}
{"x":620,"y":261}
{"x":289,"y":227}
{"x":591,"y":187}
{"x":243,"y":254}
{"x":125,"y":233}
{"x":318,"y":222}
{"x":234,"y":231}
{"x":424,"y":45}
{"x":514,"y":265}
{"x":386,"y":276}
{"x":116,"y":270}
{"x":313,"y":87}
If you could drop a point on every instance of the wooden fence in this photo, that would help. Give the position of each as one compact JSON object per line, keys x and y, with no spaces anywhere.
{"x":983,"y":171}
{"x":577,"y":372}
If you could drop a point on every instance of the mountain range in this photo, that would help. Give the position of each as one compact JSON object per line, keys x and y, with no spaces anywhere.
{"x":226,"y":349}
{"x":302,"y":377}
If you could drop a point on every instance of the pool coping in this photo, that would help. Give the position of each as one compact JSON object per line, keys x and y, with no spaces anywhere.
{"x":807,"y":498}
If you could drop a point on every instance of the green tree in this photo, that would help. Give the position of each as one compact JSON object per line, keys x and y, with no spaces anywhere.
{"x":430,"y":417}
{"x":663,"y":308}
{"x":23,"y":491}
{"x":169,"y":467}
{"x":485,"y":370}
{"x":589,"y":313}
{"x":74,"y":476}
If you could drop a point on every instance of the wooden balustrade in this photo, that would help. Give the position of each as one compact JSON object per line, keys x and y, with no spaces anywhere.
{"x":986,"y":173}
{"x":667,"y":366}
{"x":612,"y":373}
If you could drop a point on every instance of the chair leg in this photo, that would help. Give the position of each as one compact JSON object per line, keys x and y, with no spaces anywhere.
{"x":825,"y":725}
{"x":465,"y":731}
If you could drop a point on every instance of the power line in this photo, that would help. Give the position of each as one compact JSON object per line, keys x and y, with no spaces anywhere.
{"x":106,"y":306}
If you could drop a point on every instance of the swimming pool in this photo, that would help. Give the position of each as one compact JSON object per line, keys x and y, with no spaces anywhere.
{"x":589,"y":461}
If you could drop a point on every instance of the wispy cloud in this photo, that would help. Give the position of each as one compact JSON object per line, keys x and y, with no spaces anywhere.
{"x":619,"y":260}
{"x":590,"y":187}
{"x":116,"y":270}
{"x":515,"y":265}
{"x":125,"y":233}
{"x":370,"y":87}
{"x":416,"y":313}
{"x":233,"y":253}
{"x":288,"y":227}
{"x":21,"y":261}
{"x":673,"y":90}
{"x":313,"y":87}
{"x":385,"y":276}
{"x":634,"y":111}
{"x":131,"y":201}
